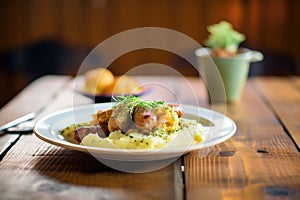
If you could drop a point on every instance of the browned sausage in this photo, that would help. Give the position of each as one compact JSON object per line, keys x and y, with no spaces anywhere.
{"x":113,"y":124}
{"x":145,"y":119}
{"x":120,"y":119}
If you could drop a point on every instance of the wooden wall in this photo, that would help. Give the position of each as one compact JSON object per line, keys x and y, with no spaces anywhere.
{"x":270,"y":25}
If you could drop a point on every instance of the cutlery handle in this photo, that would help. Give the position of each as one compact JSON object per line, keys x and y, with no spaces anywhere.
{"x":17,"y":121}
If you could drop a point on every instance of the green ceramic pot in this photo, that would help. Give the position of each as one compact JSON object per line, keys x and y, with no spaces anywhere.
{"x":233,"y":72}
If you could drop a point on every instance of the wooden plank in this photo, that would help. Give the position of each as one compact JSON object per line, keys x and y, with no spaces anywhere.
{"x":46,"y":171}
{"x":34,"y":168}
{"x":31,"y":99}
{"x":44,"y":10}
{"x":6,"y":142}
{"x":283,"y":95}
{"x":259,"y":161}
{"x":66,"y":98}
{"x":297,"y":81}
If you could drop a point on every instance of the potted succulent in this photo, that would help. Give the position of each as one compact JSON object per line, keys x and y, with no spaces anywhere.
{"x":225,"y":63}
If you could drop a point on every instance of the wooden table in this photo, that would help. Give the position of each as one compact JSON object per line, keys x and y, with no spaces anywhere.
{"x":261,"y":161}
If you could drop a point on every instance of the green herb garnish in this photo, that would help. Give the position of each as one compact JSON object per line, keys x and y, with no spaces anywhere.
{"x":131,"y":102}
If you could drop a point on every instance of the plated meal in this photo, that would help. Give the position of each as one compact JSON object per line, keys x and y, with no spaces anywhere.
{"x":132,"y":129}
{"x":133,"y":123}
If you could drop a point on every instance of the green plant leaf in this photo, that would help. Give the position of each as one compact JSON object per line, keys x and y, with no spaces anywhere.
{"x":223,"y":36}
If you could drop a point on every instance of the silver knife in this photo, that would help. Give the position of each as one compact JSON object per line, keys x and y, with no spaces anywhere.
{"x":17,"y":121}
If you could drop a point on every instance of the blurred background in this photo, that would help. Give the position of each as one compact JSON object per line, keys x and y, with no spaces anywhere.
{"x":40,"y":37}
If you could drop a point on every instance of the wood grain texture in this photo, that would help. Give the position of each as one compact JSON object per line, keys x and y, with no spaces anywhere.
{"x":284,"y":98}
{"x":259,"y":162}
{"x":32,"y":99}
{"x":87,"y":23}
{"x":35,"y":169}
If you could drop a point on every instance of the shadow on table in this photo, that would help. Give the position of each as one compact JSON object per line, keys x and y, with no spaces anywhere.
{"x":83,"y":169}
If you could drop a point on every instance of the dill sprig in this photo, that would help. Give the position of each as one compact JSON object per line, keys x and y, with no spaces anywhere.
{"x":131,"y":102}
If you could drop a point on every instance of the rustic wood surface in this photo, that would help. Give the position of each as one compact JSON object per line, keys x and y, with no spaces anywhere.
{"x":261,"y":161}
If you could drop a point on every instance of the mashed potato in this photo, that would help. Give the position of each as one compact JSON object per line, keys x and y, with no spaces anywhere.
{"x":190,"y":132}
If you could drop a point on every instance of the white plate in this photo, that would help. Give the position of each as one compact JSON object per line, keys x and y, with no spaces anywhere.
{"x":48,"y":128}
